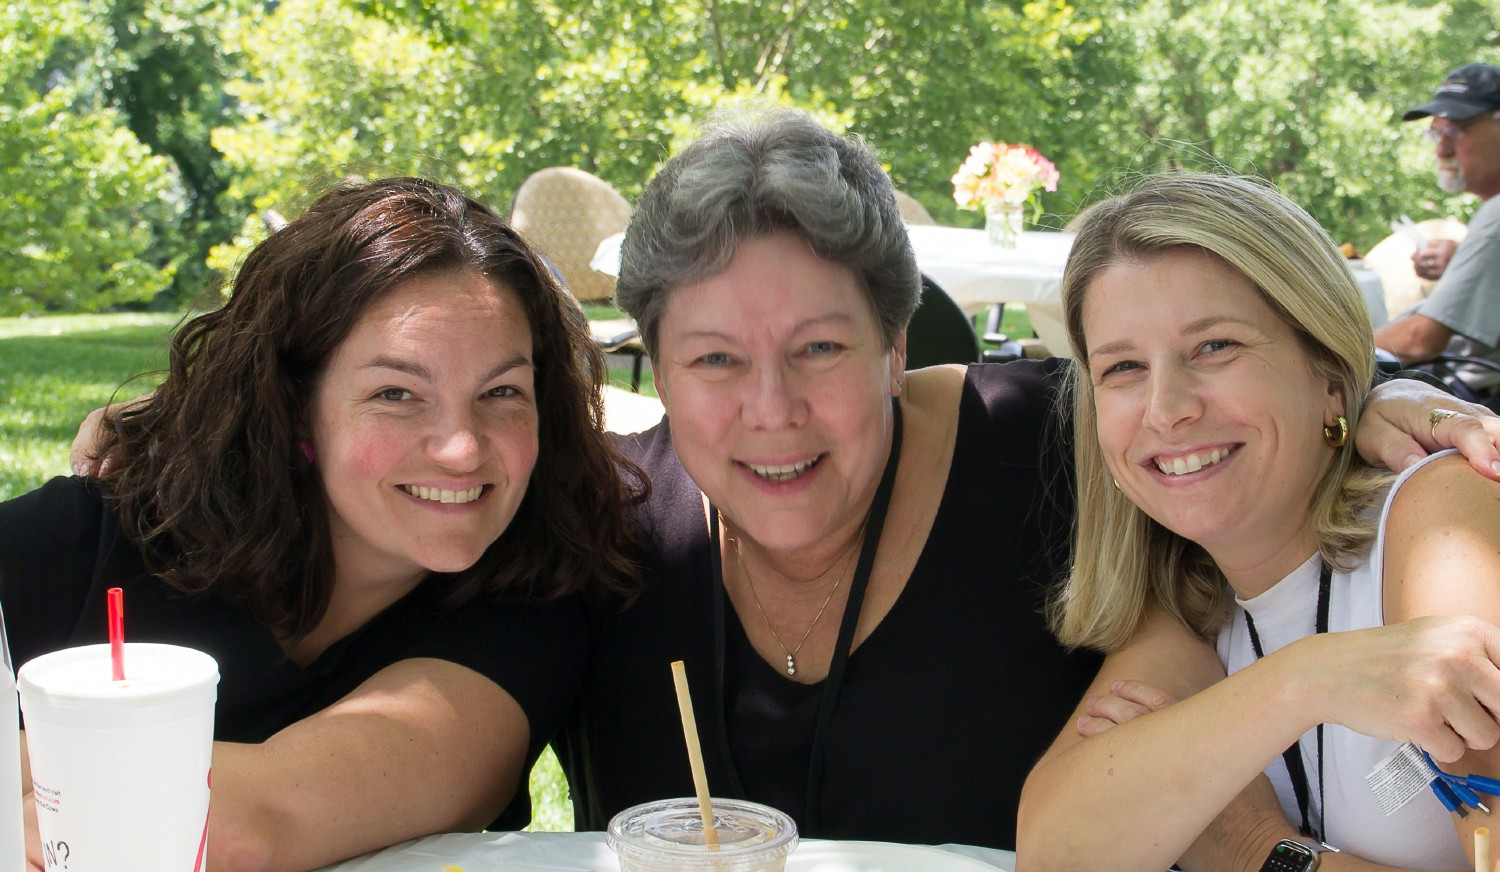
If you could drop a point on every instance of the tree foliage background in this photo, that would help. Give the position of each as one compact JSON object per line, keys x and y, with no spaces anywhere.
{"x":140,"y":139}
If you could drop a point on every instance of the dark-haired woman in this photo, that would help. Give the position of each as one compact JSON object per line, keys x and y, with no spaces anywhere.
{"x":359,"y":487}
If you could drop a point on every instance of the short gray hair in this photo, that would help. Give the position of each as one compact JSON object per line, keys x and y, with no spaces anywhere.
{"x":750,"y":175}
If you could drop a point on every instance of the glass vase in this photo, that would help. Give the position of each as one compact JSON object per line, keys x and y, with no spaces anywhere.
{"x":1002,"y":223}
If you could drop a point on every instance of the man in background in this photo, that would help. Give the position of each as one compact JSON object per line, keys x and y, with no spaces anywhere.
{"x":1462,"y":315}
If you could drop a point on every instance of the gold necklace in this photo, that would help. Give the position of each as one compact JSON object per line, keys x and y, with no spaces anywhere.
{"x":791,"y":655}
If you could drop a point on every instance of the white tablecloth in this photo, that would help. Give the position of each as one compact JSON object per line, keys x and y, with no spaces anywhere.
{"x":976,"y":273}
{"x":586,"y":852}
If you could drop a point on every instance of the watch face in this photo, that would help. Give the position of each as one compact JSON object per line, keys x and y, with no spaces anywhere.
{"x":1289,"y":856}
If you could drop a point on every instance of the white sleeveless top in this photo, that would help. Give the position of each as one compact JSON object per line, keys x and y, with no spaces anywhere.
{"x":1420,"y":834}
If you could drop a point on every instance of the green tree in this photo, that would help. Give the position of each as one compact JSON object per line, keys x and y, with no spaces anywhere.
{"x":478,"y":96}
{"x":491,"y":92}
{"x":1307,"y":93}
{"x":484,"y":92}
{"x":167,"y":74}
{"x":83,"y":196}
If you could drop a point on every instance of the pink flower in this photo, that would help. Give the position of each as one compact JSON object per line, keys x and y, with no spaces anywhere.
{"x":996,"y":173}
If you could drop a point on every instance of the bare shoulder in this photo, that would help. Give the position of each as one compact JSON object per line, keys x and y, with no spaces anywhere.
{"x":935,"y":382}
{"x":1446,"y":487}
{"x":1442,"y":545}
{"x":929,"y":405}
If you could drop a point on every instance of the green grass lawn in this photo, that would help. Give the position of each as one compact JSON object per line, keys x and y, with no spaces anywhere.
{"x":1014,"y":322}
{"x":53,"y":371}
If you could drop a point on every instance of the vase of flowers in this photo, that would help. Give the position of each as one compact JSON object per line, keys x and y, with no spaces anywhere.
{"x":1000,"y":179}
{"x":1002,"y":224}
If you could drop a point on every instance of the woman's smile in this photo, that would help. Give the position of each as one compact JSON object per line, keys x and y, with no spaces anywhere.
{"x":445,"y":496}
{"x":782,"y":472}
{"x":1186,"y":463}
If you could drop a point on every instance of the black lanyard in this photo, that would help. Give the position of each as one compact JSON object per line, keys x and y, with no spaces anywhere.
{"x":1293,"y":755}
{"x":834,"y":682}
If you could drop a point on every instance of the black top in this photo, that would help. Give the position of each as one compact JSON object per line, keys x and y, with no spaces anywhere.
{"x":944,"y":708}
{"x":61,"y":549}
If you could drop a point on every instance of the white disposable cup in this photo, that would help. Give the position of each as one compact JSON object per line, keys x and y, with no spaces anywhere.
{"x":667,"y":836}
{"x":120,"y":769}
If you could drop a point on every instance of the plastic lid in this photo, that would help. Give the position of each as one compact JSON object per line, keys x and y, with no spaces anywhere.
{"x":80,"y":677}
{"x":672,"y":830}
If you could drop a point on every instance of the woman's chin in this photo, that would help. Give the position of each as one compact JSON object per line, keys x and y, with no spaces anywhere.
{"x":784,"y":535}
{"x":1199,"y":527}
{"x":451,"y":561}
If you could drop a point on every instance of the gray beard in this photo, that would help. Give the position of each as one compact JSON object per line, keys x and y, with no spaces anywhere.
{"x":1451,"y":179}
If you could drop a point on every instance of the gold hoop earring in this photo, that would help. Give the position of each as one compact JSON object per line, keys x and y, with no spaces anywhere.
{"x":1337,"y":433}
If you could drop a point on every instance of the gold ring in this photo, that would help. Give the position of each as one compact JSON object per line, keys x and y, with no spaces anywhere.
{"x":1438,"y":416}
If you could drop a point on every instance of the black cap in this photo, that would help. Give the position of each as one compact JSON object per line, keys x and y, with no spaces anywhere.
{"x":1468,"y":91}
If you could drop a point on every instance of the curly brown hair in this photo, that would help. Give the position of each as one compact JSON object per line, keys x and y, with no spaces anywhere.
{"x":209,"y":478}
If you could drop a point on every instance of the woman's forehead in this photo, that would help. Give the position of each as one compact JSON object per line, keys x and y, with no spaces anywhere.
{"x":769,"y":279}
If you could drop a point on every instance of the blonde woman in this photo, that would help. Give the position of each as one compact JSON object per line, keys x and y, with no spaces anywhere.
{"x":1225,"y":526}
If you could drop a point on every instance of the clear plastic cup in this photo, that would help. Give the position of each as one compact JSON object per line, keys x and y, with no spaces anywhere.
{"x":667,"y":836}
{"x":120,"y":769}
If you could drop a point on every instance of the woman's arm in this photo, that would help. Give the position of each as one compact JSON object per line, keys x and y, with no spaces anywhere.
{"x":1135,"y":797}
{"x":1442,"y":557}
{"x":423,"y":746}
{"x":1130,"y":798}
{"x":1242,"y":835}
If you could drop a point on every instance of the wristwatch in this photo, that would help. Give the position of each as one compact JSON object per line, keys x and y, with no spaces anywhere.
{"x":1295,"y":855}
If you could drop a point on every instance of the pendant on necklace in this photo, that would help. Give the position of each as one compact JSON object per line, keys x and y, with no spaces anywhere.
{"x":791,"y":665}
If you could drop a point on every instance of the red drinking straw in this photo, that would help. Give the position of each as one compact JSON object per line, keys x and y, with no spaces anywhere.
{"x":116,"y":599}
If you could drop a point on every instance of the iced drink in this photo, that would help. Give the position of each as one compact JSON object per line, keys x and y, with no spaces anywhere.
{"x":667,"y":836}
{"x":120,"y":769}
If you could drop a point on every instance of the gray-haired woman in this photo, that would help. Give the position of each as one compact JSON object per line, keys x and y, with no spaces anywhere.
{"x":852,"y":559}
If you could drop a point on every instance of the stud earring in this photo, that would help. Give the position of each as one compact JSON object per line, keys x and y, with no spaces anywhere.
{"x":1337,"y":433}
{"x":307,"y":451}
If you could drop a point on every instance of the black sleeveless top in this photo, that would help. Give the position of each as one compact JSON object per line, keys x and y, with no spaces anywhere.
{"x":943,"y":710}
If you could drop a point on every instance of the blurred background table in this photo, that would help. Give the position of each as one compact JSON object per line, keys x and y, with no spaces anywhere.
{"x":626,"y":412}
{"x":587,"y":852}
{"x":978,"y":275}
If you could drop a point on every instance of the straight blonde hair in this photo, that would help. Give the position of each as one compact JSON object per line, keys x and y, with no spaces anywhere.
{"x":1124,"y":562}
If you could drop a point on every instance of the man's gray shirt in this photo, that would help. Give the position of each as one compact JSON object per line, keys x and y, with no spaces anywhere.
{"x":1467,"y":297}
